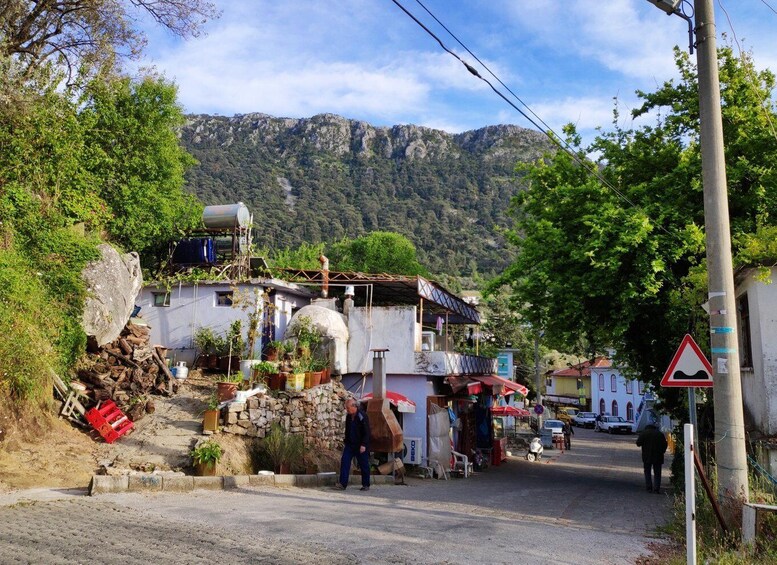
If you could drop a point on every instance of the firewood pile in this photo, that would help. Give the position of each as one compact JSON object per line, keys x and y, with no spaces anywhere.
{"x":127,"y":370}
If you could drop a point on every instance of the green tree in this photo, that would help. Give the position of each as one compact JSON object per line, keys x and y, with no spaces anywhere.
{"x":134,"y":155}
{"x":623,"y":265}
{"x":377,"y":252}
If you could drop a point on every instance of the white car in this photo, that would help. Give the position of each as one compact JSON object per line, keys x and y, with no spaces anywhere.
{"x":556,"y":426}
{"x":584,"y":419}
{"x":614,"y":425}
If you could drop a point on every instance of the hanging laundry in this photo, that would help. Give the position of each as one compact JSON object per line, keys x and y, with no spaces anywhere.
{"x":439,"y":324}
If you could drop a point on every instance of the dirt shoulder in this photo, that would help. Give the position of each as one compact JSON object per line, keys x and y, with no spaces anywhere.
{"x":65,"y":456}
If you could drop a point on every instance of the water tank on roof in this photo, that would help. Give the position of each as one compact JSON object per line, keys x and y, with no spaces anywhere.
{"x":226,"y":216}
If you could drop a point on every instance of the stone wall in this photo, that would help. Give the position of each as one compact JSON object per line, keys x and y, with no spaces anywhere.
{"x":318,"y":413}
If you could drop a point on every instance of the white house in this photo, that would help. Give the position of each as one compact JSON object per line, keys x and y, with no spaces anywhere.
{"x":175,"y":314}
{"x":756,"y":303}
{"x":612,"y":393}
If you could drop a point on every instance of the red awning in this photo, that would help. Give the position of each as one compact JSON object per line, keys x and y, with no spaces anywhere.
{"x":509,"y":411}
{"x":464,"y":384}
{"x":510,"y":387}
{"x":402,"y":402}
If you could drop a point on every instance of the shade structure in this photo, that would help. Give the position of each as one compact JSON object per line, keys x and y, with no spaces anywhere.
{"x":509,"y":411}
{"x":402,"y":402}
{"x":509,"y":387}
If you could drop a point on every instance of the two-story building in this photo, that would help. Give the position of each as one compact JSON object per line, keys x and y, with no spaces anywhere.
{"x":614,"y":394}
{"x":570,"y":386}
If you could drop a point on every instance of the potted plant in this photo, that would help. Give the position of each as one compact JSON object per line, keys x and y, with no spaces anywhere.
{"x":263,"y":371}
{"x":226,"y":388}
{"x":210,"y":421}
{"x":307,"y":336}
{"x":205,"y":457}
{"x":295,"y":381}
{"x":273,"y":350}
{"x":283,"y":449}
{"x":208,"y":344}
{"x":232,"y":347}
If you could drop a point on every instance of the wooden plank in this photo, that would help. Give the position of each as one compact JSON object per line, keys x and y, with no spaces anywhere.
{"x":123,"y":359}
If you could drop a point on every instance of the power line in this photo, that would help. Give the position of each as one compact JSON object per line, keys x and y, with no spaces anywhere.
{"x":765,"y":3}
{"x":547,"y":132}
{"x":749,"y":69}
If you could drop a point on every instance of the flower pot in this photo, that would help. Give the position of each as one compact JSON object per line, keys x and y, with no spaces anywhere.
{"x":210,"y":421}
{"x":295,"y":382}
{"x":312,"y":378}
{"x":228,"y":363}
{"x":325,"y":377}
{"x":225,"y":391}
{"x":271,"y":354}
{"x":274,"y":382}
{"x":212,"y":361}
{"x":205,"y":469}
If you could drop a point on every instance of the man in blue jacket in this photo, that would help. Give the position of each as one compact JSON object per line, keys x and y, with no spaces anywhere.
{"x":356,"y":444}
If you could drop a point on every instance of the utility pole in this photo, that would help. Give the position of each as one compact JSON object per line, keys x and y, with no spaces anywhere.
{"x":730,"y":453}
{"x":537,"y":380}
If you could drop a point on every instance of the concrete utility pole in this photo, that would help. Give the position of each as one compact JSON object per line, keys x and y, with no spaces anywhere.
{"x":537,"y":378}
{"x":730,"y":454}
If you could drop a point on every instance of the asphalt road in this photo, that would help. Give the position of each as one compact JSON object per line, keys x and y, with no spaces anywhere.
{"x":587,"y":505}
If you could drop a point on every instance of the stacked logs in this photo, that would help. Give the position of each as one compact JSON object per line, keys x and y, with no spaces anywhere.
{"x":127,"y":370}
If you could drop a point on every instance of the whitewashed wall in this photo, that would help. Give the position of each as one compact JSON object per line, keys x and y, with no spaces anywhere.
{"x":759,"y":383}
{"x":393,"y":328}
{"x":194,"y":306}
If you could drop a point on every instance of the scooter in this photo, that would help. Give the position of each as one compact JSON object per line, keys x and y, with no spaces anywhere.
{"x":535,"y":450}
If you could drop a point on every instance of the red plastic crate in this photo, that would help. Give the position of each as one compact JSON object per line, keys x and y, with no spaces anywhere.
{"x":109,"y":421}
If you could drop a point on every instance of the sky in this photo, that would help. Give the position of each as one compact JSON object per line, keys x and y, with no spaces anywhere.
{"x":568,"y":60}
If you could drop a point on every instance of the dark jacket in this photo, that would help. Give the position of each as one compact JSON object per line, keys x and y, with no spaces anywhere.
{"x":653,"y":444}
{"x":357,"y":430}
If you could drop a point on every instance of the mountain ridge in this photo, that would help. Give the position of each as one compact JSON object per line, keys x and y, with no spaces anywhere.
{"x":327,"y":177}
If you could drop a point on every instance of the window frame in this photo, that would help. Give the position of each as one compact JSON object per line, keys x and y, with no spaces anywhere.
{"x":228,"y":295}
{"x":602,"y":406}
{"x":629,"y":386}
{"x":629,"y":411}
{"x":601,"y":381}
{"x":614,"y":407}
{"x":165,"y":299}
{"x":743,"y":329}
{"x":613,"y":383}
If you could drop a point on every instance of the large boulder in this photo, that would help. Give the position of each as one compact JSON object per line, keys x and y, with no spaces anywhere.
{"x":113,"y":283}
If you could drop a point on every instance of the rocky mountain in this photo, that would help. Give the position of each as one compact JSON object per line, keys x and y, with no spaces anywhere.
{"x":326,"y":177}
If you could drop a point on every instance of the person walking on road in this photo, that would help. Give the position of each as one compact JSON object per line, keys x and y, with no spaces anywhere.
{"x":568,"y":433}
{"x":653,"y":444}
{"x":356,"y":444}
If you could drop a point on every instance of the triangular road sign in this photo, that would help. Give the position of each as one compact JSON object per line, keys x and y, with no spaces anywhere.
{"x":689,"y":367}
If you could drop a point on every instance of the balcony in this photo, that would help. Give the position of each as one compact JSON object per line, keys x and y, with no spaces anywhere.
{"x":444,"y":363}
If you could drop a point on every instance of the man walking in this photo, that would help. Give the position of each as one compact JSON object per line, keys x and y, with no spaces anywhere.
{"x":356,"y":444}
{"x":568,"y":433}
{"x":654,"y":446}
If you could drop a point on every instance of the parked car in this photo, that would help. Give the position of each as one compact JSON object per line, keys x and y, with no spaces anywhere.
{"x":556,"y":426}
{"x":584,"y":419}
{"x":566,"y":414}
{"x":614,"y":425}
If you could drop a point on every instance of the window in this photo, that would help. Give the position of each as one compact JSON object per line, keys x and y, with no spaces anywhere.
{"x":630,"y":412}
{"x":549,"y":382}
{"x":614,"y":407}
{"x":601,"y":381}
{"x":601,"y":406}
{"x":224,"y":298}
{"x":745,"y":343}
{"x":640,"y":387}
{"x":629,"y":386}
{"x":613,"y":384}
{"x":161,"y":299}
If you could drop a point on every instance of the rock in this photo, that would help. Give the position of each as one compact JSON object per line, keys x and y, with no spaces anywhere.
{"x":231,"y":418}
{"x":112,"y":285}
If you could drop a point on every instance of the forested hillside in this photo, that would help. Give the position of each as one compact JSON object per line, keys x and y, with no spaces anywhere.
{"x":326,"y":177}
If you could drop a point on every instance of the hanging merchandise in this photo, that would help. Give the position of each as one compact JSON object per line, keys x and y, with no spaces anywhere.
{"x":439,"y":325}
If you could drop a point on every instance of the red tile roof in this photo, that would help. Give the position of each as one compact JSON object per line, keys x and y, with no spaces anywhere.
{"x":582,"y":369}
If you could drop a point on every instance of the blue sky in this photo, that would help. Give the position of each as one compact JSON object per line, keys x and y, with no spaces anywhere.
{"x":366,"y":60}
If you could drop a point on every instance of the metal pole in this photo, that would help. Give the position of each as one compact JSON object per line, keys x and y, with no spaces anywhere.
{"x":692,"y":418}
{"x":690,"y":497}
{"x":730,"y":453}
{"x":537,"y":381}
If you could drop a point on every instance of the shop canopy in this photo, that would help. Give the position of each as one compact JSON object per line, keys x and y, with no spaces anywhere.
{"x":509,"y":411}
{"x":509,"y":387}
{"x":402,"y":402}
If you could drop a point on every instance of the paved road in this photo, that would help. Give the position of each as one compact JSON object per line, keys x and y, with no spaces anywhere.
{"x":585,"y":506}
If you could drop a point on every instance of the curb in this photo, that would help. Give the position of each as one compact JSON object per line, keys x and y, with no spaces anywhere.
{"x":148,"y":482}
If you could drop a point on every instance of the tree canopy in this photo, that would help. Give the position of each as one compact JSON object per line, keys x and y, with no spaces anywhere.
{"x":623,"y":265}
{"x":377,"y":252}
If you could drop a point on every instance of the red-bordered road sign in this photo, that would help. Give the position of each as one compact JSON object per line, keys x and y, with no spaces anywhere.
{"x":689,"y":367}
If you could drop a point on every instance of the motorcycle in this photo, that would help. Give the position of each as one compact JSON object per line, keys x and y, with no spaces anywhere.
{"x":535,"y":450}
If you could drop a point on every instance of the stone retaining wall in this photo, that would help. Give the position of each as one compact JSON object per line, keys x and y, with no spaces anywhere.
{"x":318,"y":413}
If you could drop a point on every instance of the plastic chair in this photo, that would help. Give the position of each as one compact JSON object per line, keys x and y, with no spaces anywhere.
{"x":461,"y":464}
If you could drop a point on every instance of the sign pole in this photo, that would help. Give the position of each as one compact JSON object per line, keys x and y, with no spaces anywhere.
{"x":690,"y":496}
{"x":692,"y":413}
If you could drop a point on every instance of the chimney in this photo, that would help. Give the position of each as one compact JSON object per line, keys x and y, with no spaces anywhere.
{"x":386,"y":435}
{"x":348,"y":301}
{"x":324,"y":275}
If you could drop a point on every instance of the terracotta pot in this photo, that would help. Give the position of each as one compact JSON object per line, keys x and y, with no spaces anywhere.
{"x":325,"y":377}
{"x":312,"y":378}
{"x":210,"y":422}
{"x":271,"y":354}
{"x":226,"y":391}
{"x":212,"y":361}
{"x":205,"y":469}
{"x":276,"y":381}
